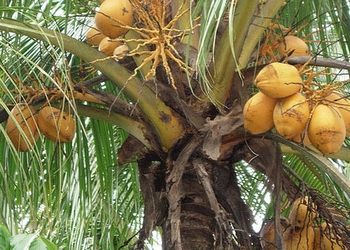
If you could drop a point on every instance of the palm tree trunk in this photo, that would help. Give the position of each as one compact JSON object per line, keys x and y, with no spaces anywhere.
{"x":197,"y":201}
{"x":199,"y":206}
{"x":206,"y":209}
{"x":190,"y":220}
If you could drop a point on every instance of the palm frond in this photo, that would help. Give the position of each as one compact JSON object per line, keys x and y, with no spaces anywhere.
{"x":77,"y":195}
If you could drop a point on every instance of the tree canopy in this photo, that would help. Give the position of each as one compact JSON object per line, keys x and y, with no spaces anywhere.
{"x":172,"y":101}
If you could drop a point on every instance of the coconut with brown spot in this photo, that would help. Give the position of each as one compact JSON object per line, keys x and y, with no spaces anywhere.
{"x":56,"y":125}
{"x":342,"y":103}
{"x":326,"y":129}
{"x":291,"y":115}
{"x":278,"y":80}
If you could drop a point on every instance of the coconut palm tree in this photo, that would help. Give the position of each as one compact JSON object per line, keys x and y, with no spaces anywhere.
{"x":160,"y":143}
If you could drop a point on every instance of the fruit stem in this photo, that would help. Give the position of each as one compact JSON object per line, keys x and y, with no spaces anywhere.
{"x":133,"y":127}
{"x":229,"y":47}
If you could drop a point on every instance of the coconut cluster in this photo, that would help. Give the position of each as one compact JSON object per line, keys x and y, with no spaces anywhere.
{"x":298,"y":230}
{"x":111,"y":22}
{"x":281,"y":104}
{"x":301,"y":230}
{"x":24,"y":125}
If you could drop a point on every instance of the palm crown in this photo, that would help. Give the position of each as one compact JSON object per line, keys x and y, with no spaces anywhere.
{"x":161,"y":138}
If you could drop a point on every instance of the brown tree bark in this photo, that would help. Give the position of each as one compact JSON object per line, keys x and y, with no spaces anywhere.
{"x":197,"y":201}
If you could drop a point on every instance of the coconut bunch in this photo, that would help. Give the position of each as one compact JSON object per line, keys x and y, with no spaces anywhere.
{"x":25,"y":123}
{"x":301,"y":230}
{"x":325,"y":239}
{"x":110,"y":24}
{"x":279,"y":103}
{"x":297,"y":231}
{"x":317,"y":117}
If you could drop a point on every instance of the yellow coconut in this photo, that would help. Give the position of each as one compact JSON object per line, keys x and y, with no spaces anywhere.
{"x":21,"y":128}
{"x":94,"y":36}
{"x":326,"y":240}
{"x":302,"y":138}
{"x":112,"y":15}
{"x":293,"y":46}
{"x":258,"y":112}
{"x":267,"y":233}
{"x":343,"y":104}
{"x":302,"y":213}
{"x":108,"y":45}
{"x":56,"y":125}
{"x":318,"y":238}
{"x":291,"y":115}
{"x":299,"y":238}
{"x":326,"y":129}
{"x":120,"y":52}
{"x":278,"y":80}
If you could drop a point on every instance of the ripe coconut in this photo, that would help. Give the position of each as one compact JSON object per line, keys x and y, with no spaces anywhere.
{"x":325,"y":239}
{"x":278,"y":80}
{"x":293,"y":46}
{"x":108,"y":45}
{"x":302,"y":213}
{"x":112,"y":15}
{"x":302,"y":138}
{"x":326,"y":129}
{"x":120,"y":52}
{"x":343,"y":105}
{"x":94,"y":36}
{"x":258,"y":112}
{"x":299,"y":239}
{"x":56,"y":125}
{"x":22,"y":128}
{"x":267,"y":232}
{"x":290,"y":115}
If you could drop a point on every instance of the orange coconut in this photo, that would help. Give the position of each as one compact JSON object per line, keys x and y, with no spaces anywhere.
{"x":94,"y":36}
{"x":267,"y":232}
{"x":326,"y":240}
{"x":302,"y":138}
{"x":112,"y":15}
{"x":108,"y":45}
{"x":258,"y":112}
{"x":21,"y":128}
{"x":291,"y":115}
{"x":121,"y":52}
{"x":293,"y":46}
{"x":302,"y":213}
{"x":326,"y":129}
{"x":343,"y":105}
{"x":278,"y":80}
{"x":299,"y":239}
{"x":56,"y":125}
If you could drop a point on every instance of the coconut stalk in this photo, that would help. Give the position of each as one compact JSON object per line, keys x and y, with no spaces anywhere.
{"x":260,"y":22}
{"x":239,"y":41}
{"x":230,"y":47}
